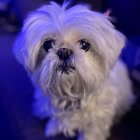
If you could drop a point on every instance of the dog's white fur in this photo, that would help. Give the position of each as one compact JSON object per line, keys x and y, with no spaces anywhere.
{"x":96,"y":92}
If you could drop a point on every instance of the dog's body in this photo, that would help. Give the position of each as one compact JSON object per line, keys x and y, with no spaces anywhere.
{"x":96,"y":115}
{"x":71,"y":56}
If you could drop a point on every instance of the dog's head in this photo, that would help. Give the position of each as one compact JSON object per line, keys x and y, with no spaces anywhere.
{"x":68,"y":52}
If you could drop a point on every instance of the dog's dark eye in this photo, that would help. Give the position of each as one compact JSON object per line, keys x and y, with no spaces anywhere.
{"x":84,"y":44}
{"x":48,"y":44}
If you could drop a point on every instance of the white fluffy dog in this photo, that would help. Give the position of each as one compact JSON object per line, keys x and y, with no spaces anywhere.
{"x":71,"y":56}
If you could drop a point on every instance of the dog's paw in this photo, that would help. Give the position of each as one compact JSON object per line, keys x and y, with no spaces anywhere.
{"x":51,"y":128}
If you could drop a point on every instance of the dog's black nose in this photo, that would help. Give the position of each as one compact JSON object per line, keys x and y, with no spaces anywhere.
{"x":64,"y":53}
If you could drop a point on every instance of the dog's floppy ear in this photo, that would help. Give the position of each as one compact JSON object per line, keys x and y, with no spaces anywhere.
{"x":27,"y":43}
{"x":25,"y":50}
{"x":115,"y":41}
{"x":20,"y":50}
{"x":110,"y":41}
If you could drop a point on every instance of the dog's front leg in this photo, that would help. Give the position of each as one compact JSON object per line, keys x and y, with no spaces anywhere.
{"x":52,"y":128}
{"x":98,"y":131}
{"x":56,"y":126}
{"x":93,"y":135}
{"x":41,"y":105}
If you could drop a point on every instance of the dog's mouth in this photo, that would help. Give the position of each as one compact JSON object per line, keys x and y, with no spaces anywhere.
{"x":65,"y":67}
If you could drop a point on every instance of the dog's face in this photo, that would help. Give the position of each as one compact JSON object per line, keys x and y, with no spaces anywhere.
{"x":68,"y":53}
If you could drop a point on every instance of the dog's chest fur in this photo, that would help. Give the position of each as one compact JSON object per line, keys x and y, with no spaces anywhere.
{"x":91,"y":113}
{"x":79,"y":113}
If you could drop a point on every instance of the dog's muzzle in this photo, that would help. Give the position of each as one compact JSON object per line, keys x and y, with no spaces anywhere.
{"x":65,"y":65}
{"x":64,"y":54}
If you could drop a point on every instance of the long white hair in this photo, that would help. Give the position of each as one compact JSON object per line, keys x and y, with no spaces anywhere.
{"x":91,"y":68}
